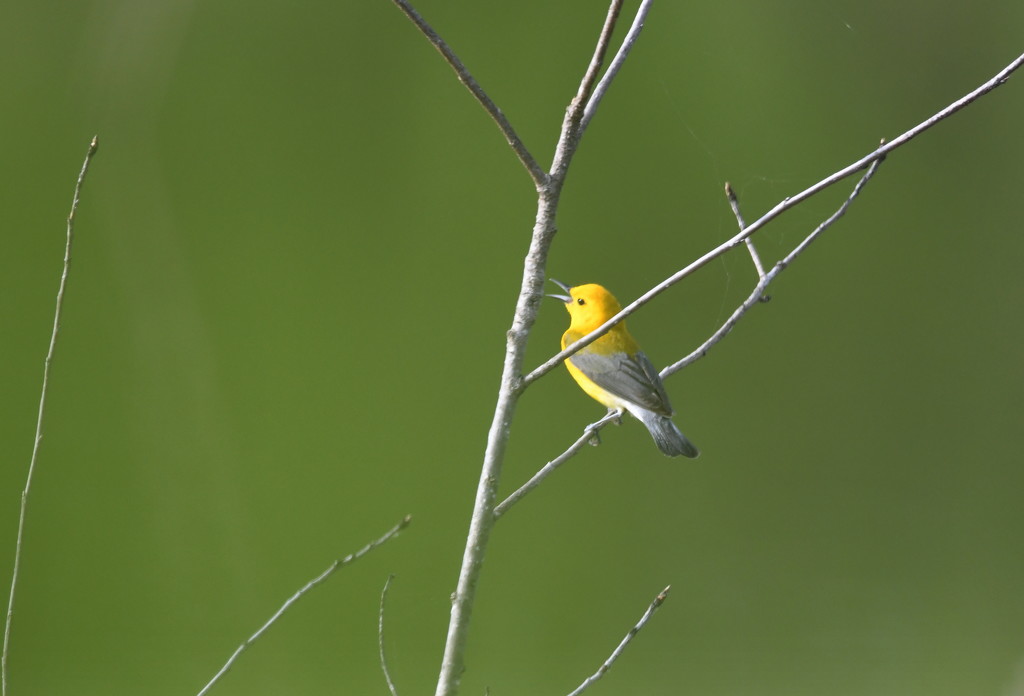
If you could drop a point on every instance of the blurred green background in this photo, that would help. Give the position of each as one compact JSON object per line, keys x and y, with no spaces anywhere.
{"x":297,"y":254}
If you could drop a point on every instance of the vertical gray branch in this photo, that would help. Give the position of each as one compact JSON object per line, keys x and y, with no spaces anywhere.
{"x":527,"y":305}
{"x":482,"y":520}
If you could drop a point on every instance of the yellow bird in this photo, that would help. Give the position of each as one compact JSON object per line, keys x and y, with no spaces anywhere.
{"x":614,"y":371}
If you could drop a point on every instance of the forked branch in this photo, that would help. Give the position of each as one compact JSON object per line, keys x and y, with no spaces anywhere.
{"x":757,"y":295}
{"x":775,"y":212}
{"x":549,"y":190}
{"x":734,"y":203}
{"x":549,"y":187}
{"x":613,"y":68}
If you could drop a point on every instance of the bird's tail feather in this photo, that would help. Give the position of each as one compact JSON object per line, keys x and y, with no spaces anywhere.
{"x":669,"y":439}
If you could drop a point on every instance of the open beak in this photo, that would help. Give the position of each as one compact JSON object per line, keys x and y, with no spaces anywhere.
{"x":564,"y":298}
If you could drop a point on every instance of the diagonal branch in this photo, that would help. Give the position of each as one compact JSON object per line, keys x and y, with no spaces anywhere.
{"x":588,"y":437}
{"x":539,"y":176}
{"x":757,"y":295}
{"x":775,"y":212}
{"x":42,"y":406}
{"x":298,"y":595}
{"x":607,"y":664}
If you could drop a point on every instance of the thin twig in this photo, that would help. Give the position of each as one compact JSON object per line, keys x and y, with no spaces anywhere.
{"x":757,"y":294}
{"x":586,"y":88}
{"x":588,"y":436}
{"x":572,"y":125}
{"x":93,"y":145}
{"x":625,"y":641}
{"x":734,"y":203}
{"x":780,"y":208}
{"x":617,"y":61}
{"x":539,"y":176}
{"x":380,"y":637}
{"x":298,"y":595}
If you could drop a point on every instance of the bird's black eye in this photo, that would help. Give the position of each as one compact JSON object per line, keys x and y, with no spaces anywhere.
{"x":581,"y":301}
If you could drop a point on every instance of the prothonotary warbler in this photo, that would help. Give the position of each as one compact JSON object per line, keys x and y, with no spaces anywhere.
{"x":614,"y":371}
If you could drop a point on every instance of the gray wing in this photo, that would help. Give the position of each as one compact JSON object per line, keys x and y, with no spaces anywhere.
{"x":629,"y":377}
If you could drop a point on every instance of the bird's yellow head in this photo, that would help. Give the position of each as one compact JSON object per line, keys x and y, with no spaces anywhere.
{"x":589,"y":305}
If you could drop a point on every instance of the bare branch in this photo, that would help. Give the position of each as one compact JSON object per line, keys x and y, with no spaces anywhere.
{"x":482,"y":518}
{"x":597,"y":60}
{"x":539,"y":176}
{"x":617,"y":61}
{"x":757,"y":295}
{"x":380,"y":637}
{"x":588,"y":437}
{"x":734,"y":203}
{"x":775,"y":212}
{"x":527,"y":306}
{"x":76,"y":198}
{"x":607,"y":665}
{"x":572,"y":125}
{"x":298,"y":595}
